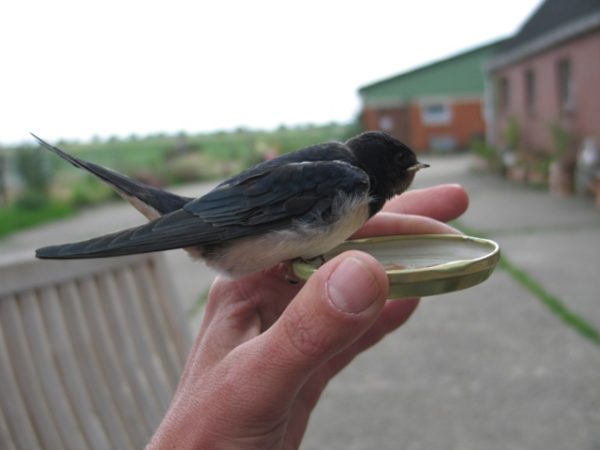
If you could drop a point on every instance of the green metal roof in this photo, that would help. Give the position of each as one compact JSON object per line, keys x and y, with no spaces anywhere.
{"x":460,"y":74}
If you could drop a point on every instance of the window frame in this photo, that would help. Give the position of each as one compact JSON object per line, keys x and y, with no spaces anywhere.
{"x":530,"y":83}
{"x":565,"y":85}
{"x":433,"y":119}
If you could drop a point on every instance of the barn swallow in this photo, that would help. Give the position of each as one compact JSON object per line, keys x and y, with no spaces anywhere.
{"x":298,"y":205}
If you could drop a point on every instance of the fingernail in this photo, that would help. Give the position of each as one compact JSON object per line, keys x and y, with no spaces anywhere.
{"x":352,"y":288}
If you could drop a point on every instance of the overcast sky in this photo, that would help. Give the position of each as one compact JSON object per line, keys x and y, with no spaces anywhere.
{"x":74,"y":69}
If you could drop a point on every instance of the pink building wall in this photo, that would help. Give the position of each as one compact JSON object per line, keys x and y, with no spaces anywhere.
{"x":582,"y":120}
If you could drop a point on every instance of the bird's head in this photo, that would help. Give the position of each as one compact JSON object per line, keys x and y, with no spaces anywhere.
{"x":391,"y":165}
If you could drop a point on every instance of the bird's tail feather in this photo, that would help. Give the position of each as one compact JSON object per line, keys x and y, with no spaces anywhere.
{"x":159,"y":201}
{"x":166,"y":233}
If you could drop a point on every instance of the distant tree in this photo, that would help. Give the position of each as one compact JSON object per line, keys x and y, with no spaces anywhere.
{"x":34,"y":169}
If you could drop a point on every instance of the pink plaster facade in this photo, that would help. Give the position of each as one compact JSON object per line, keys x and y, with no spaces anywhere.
{"x":580,"y":118}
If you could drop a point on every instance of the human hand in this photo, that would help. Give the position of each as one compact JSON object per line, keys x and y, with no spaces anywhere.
{"x":266,"y":349}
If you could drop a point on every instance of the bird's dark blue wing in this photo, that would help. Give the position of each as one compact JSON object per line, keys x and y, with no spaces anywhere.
{"x":327,"y":151}
{"x":286,"y":192}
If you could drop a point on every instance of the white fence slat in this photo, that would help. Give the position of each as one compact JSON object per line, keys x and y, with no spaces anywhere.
{"x":142,"y":340}
{"x":119,"y":327}
{"x":6,"y":442}
{"x":174,"y":316}
{"x":108,"y":351}
{"x":71,"y":373}
{"x":157,"y":324}
{"x":43,"y":359}
{"x":13,"y":408}
{"x":71,"y":303}
{"x":25,"y":373}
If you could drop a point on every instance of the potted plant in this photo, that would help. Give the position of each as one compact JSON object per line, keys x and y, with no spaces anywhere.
{"x":512,"y":158}
{"x":561,"y":172}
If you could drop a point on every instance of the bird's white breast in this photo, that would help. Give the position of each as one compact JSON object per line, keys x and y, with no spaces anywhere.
{"x":303,"y":240}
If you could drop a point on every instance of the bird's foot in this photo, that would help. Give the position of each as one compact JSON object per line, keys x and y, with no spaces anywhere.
{"x":288,"y":272}
{"x":320,"y":258}
{"x":288,"y":269}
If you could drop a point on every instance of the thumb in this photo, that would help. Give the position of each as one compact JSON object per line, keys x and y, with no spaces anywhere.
{"x":336,"y":306}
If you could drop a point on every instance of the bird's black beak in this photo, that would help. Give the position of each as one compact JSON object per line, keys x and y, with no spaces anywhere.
{"x":416,"y":167}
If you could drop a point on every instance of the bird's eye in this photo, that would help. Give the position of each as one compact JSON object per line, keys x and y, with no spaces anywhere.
{"x":399,"y":157}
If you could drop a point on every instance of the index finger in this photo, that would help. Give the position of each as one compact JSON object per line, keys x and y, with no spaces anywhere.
{"x":444,"y":202}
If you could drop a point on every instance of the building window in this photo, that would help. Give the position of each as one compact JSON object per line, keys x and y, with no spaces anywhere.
{"x":503,"y":94}
{"x":565,"y":85}
{"x":386,"y":123}
{"x":530,"y":91}
{"x":436,"y":113}
{"x":442,"y":143}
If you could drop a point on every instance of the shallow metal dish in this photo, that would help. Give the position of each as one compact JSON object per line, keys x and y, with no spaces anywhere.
{"x":421,"y":265}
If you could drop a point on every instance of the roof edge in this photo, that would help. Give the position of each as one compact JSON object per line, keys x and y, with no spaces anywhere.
{"x":387,"y":103}
{"x":558,"y":35}
{"x":434,"y":63}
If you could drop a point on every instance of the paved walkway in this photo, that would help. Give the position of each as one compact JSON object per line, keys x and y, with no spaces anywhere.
{"x":491,"y":367}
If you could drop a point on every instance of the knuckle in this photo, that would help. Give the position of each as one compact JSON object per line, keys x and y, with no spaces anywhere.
{"x":305,"y":335}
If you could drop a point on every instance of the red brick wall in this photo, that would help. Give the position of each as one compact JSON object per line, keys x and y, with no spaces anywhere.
{"x":583,"y":120}
{"x":466,"y":122}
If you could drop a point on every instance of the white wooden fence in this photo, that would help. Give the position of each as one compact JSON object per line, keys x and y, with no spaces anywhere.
{"x":90,"y":352}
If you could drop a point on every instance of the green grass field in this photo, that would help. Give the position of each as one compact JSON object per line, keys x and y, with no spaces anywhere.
{"x":14,"y":218}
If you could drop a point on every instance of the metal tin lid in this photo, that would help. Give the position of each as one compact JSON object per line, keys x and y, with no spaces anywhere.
{"x":422,"y":265}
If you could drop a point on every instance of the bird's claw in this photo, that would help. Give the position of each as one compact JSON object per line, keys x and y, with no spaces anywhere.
{"x":319,"y":258}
